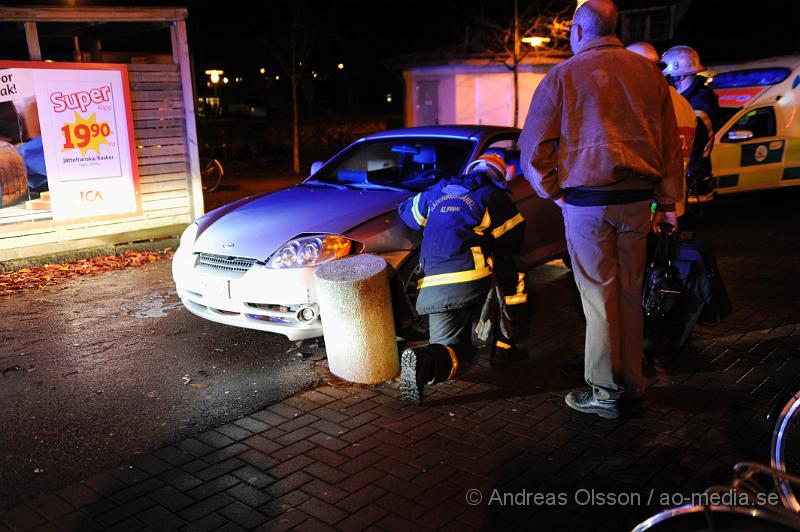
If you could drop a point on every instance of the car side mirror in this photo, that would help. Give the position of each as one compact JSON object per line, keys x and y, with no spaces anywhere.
{"x":740,"y":134}
{"x":315,"y":166}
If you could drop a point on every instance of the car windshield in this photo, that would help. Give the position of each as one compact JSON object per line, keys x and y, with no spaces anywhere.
{"x":406,"y":163}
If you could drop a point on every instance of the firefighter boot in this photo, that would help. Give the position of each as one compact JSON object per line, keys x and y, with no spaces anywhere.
{"x":420,"y":366}
{"x":503,"y":353}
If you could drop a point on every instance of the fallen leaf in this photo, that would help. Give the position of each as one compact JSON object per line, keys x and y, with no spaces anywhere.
{"x":37,"y":277}
{"x":199,"y":385}
{"x":152,"y":394}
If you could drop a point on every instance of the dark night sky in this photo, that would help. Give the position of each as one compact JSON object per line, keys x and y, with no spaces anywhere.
{"x":722,"y":30}
{"x":361,"y":33}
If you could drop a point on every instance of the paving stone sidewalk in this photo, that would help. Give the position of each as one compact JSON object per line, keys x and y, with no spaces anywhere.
{"x":357,"y":458}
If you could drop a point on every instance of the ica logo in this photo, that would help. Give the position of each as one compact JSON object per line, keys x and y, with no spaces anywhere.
{"x":90,"y":196}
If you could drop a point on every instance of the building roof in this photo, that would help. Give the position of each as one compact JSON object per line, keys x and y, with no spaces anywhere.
{"x":463,"y":55}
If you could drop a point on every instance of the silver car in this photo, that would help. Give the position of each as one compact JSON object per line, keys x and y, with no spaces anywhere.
{"x":251,"y":263}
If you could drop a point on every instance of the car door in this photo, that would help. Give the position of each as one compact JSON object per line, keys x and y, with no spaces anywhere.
{"x":749,"y":154}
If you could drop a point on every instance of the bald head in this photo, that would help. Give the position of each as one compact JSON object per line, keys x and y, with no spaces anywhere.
{"x":593,"y":18}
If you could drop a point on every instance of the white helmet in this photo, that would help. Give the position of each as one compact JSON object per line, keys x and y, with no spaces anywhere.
{"x":682,"y":61}
{"x":646,"y":50}
{"x":489,"y":162}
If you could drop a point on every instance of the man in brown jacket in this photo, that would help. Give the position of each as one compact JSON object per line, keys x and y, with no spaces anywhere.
{"x":601,"y":140}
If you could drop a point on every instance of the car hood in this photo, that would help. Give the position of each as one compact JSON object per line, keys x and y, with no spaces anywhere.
{"x":257,"y":226}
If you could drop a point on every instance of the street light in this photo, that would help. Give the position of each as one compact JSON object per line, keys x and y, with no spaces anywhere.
{"x":340,"y":66}
{"x":214,"y":74}
{"x":263,"y":70}
{"x":536,"y":41}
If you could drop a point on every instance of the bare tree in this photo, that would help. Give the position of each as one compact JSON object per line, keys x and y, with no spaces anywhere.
{"x":540,"y":30}
{"x":289,"y":39}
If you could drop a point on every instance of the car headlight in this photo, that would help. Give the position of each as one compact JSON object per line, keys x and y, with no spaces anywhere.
{"x":310,"y":251}
{"x":189,"y":235}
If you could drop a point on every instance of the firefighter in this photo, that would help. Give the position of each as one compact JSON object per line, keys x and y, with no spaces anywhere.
{"x":684,"y":114}
{"x":683,"y":67}
{"x":467,"y":222}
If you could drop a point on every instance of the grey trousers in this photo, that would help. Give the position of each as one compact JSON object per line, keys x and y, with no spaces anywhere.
{"x":607,"y":245}
{"x":454,"y":328}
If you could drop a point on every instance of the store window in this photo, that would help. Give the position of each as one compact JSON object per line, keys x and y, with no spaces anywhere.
{"x":66,"y":146}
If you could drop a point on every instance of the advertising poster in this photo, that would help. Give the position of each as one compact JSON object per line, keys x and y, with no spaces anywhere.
{"x":66,"y":141}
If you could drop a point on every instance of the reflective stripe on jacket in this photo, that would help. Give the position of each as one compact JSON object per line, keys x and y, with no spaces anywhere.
{"x":465,"y":221}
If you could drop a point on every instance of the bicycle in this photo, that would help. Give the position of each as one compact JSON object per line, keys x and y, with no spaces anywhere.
{"x":211,"y":172}
{"x":785,"y":444}
{"x":775,"y":509}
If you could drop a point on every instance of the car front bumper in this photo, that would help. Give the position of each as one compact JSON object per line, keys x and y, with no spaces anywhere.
{"x":277,"y":301}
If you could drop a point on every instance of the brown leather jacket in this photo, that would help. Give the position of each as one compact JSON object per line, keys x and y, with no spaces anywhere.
{"x":603,"y":120}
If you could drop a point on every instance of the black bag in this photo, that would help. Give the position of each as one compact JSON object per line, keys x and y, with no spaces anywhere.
{"x":700,"y":254}
{"x":662,"y":284}
{"x":704,"y":300}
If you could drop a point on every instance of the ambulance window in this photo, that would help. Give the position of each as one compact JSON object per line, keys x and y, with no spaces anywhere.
{"x":761,"y":122}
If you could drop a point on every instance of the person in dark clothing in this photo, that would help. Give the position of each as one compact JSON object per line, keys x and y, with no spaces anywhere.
{"x":683,"y":67}
{"x":466,"y":221}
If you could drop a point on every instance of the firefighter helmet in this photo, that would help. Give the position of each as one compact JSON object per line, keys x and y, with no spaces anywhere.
{"x":646,"y":50}
{"x":681,"y":61}
{"x":489,"y":161}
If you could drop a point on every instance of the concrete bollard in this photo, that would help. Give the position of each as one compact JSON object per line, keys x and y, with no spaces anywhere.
{"x":357,"y":320}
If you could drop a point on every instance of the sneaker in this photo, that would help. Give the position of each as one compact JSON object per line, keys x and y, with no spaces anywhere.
{"x":584,"y":401}
{"x":415,"y":369}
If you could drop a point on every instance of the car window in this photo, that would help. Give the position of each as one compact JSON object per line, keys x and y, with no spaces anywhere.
{"x":726,"y":113}
{"x":507,"y":148}
{"x":412,"y":163}
{"x":760,"y":122}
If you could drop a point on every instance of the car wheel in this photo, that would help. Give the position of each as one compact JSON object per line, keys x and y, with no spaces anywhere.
{"x":411,"y":325}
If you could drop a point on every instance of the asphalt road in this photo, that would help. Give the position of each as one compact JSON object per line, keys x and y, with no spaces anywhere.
{"x":100,"y":368}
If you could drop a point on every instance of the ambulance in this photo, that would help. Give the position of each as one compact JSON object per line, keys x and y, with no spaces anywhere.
{"x":758,"y":147}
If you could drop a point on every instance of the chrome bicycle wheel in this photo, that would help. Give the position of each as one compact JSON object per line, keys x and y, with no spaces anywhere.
{"x":211,"y":173}
{"x":785,"y":450}
{"x":691,"y":518}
